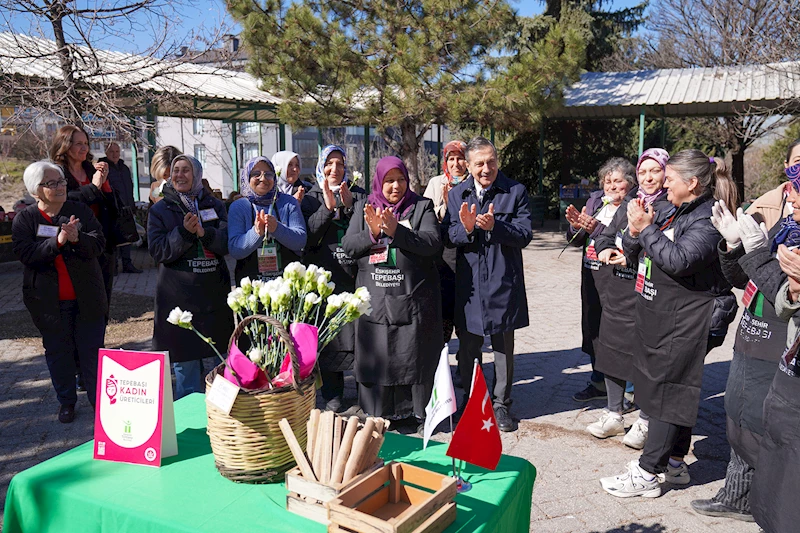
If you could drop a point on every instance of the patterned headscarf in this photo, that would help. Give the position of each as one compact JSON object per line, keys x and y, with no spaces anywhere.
{"x":660,"y":156}
{"x":377,"y":199}
{"x":793,"y":173}
{"x":281,"y":162}
{"x":188,"y":199}
{"x":789,"y":234}
{"x":244,"y":179}
{"x":453,"y":147}
{"x":323,"y":158}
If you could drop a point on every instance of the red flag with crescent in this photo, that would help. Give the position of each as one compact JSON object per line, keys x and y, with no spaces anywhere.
{"x":476,"y":439}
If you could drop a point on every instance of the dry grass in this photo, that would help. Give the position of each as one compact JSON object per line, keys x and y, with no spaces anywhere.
{"x":11,"y":186}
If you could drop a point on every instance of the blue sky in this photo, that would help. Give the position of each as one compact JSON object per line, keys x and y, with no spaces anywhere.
{"x":201,"y":16}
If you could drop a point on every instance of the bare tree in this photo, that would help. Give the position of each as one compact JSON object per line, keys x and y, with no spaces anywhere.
{"x":723,"y":33}
{"x":53,"y":61}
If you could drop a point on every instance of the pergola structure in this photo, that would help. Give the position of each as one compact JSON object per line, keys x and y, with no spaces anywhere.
{"x":688,"y":92}
{"x":148,"y":87}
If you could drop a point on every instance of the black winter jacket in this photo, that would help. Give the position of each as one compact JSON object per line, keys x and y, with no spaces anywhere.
{"x":691,"y":257}
{"x":40,"y":278}
{"x":90,"y":195}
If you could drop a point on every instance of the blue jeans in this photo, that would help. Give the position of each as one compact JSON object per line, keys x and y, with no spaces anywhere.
{"x":74,"y":339}
{"x":188,"y":378}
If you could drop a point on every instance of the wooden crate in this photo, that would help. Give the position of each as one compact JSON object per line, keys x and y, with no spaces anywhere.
{"x":307,"y":498}
{"x":398,"y":498}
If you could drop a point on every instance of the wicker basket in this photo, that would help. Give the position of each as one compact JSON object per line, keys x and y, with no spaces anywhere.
{"x":248,"y":444}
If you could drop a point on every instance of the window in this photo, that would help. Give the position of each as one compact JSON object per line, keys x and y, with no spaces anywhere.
{"x":249,"y":151}
{"x":200,"y":153}
{"x":248,"y":128}
{"x":198,"y":126}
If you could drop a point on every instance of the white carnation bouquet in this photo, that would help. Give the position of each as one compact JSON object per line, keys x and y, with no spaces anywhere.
{"x":301,"y":295}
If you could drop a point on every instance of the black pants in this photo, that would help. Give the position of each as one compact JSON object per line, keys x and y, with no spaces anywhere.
{"x":75,"y":338}
{"x":503,"y":346}
{"x":664,"y":440}
{"x":738,"y":480}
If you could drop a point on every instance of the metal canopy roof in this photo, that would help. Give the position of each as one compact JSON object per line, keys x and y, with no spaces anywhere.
{"x":716,"y":91}
{"x":191,"y":90}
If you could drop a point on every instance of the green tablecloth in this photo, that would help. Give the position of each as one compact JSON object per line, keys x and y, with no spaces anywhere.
{"x":73,"y":492}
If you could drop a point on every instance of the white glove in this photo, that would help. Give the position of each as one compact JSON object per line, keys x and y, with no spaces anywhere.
{"x":753,"y":234}
{"x":726,"y":224}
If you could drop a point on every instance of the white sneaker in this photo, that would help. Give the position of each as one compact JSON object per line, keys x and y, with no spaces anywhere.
{"x":609,"y":425}
{"x":677,"y":475}
{"x":632,"y":483}
{"x":637,"y":435}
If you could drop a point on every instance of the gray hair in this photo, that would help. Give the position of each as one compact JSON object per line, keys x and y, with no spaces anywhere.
{"x":479,"y":143}
{"x":711,"y":173}
{"x":112,"y":143}
{"x":34,"y":174}
{"x":621,"y":165}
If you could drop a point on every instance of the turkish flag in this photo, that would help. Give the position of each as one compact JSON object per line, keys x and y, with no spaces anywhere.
{"x":476,"y":439}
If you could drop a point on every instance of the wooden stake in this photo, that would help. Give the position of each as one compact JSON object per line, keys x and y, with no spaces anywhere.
{"x":297,"y":451}
{"x":326,"y":445}
{"x":337,"y":442}
{"x":344,"y":450}
{"x":359,"y":449}
{"x":313,"y":421}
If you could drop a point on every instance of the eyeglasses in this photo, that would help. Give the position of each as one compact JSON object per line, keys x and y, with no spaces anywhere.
{"x":262,"y":174}
{"x":54,"y":184}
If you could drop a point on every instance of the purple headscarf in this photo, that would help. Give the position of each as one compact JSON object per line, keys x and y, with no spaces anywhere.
{"x":660,"y":156}
{"x":244,"y":181}
{"x":377,"y":199}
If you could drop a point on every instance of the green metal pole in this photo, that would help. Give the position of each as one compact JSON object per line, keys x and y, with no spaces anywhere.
{"x":151,"y":131}
{"x":282,"y":136}
{"x":439,"y":146}
{"x":319,"y":140}
{"x":234,"y":157}
{"x":663,"y":132}
{"x":260,"y":141}
{"x":491,"y":134}
{"x":134,"y":161}
{"x":641,"y":132}
{"x":541,"y":157}
{"x":366,"y":157}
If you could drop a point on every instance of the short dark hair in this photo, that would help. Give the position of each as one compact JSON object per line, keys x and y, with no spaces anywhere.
{"x":479,"y":143}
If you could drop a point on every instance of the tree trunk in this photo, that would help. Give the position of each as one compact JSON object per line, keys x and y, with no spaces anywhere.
{"x":737,"y":169}
{"x":409,"y":153}
{"x":71,"y":99}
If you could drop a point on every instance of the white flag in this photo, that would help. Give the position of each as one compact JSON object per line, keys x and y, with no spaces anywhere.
{"x":443,"y":398}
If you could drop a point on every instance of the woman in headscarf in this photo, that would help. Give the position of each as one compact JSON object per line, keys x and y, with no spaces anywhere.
{"x":455,"y":169}
{"x":266,"y":230}
{"x":616,"y":179}
{"x":287,"y":167}
{"x":327,"y":219}
{"x":748,"y":259}
{"x":683,"y":311}
{"x":615,"y":284}
{"x":395,"y":244}
{"x":187,"y":236}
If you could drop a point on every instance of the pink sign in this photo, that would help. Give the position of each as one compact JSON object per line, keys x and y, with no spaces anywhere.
{"x":134,"y":419}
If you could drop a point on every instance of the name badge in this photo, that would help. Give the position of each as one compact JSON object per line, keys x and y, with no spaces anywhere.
{"x":268,"y":259}
{"x":47,"y":231}
{"x":749,"y":292}
{"x":208,"y":215}
{"x":406,"y":223}
{"x":641,"y":274}
{"x":378,"y":254}
{"x":618,"y":242}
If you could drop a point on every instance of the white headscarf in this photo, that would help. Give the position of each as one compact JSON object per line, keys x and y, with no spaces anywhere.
{"x":281,"y":162}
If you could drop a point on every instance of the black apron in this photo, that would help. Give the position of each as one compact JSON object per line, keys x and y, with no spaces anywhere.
{"x":249,"y":265}
{"x":615,"y":345}
{"x":672,"y":328}
{"x":400,"y":342}
{"x":776,"y":483}
{"x":591,"y":304}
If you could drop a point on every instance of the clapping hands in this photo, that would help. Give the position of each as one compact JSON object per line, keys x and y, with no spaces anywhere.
{"x":639,"y":216}
{"x":581,"y":220}
{"x":380,"y":220}
{"x":69,"y":231}
{"x":470,"y":218}
{"x":726,"y":224}
{"x":265,"y":223}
